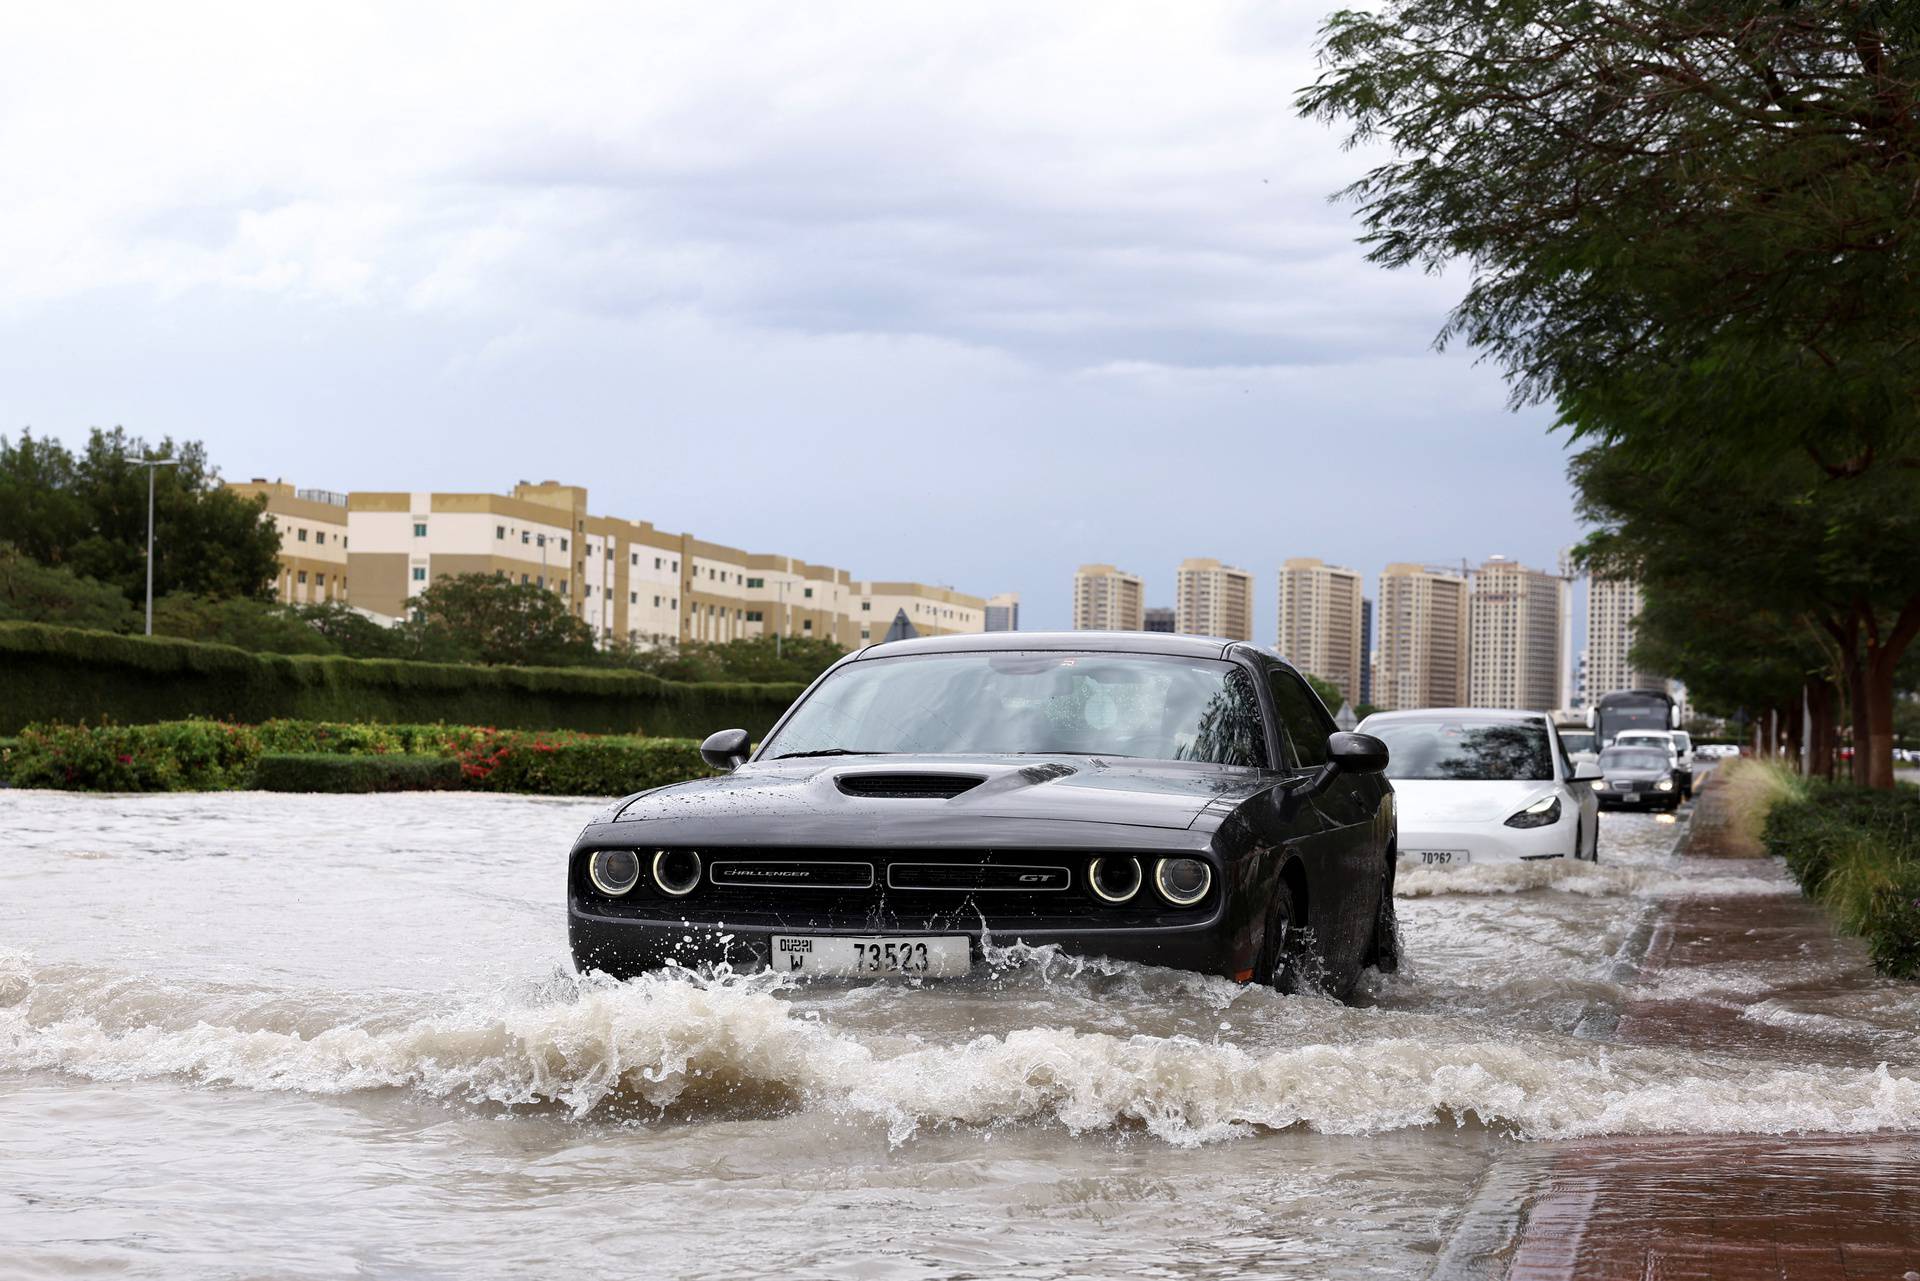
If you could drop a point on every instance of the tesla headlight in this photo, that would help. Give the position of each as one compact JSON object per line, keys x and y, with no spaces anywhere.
{"x":1544,"y":812}
{"x":1665,"y":785}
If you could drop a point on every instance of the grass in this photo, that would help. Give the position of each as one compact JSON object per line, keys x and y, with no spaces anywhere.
{"x":1857,"y":852}
{"x":1749,"y":790}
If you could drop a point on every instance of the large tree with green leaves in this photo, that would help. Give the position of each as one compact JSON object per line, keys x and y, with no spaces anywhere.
{"x":87,"y":512}
{"x":488,"y":618}
{"x":1691,"y":225}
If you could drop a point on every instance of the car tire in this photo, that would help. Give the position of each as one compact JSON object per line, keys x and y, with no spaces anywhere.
{"x":1281,"y":953}
{"x":1383,"y":952}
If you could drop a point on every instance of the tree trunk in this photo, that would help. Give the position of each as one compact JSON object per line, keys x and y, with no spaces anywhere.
{"x":1796,"y":731}
{"x":1820,"y":734}
{"x":1862,"y":714}
{"x":1877,"y":680}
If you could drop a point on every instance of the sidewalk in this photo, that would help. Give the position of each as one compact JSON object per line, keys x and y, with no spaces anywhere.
{"x":1806,"y":1206}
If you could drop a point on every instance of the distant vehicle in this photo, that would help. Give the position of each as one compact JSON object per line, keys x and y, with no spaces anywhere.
{"x":1669,"y":742}
{"x":1637,"y":778}
{"x":1166,"y":799}
{"x":1631,"y":709}
{"x":1485,"y":786}
{"x":1578,"y":741}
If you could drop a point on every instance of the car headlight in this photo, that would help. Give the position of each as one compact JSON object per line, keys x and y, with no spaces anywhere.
{"x":1114,"y":878}
{"x":1183,"y":881}
{"x":1542,"y":813}
{"x":1665,"y":785}
{"x":676,"y":872}
{"x":613,"y":872}
{"x":1599,"y":784}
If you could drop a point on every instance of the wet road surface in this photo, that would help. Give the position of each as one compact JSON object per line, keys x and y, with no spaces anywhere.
{"x":246,"y":1035}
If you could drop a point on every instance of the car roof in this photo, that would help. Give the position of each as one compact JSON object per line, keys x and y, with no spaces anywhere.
{"x":1100,"y":642}
{"x":1441,"y":713}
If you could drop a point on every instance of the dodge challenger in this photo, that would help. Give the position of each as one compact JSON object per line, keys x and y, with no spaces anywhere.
{"x":1171,"y":800}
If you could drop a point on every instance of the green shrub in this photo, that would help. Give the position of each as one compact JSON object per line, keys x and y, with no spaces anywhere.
{"x":7,"y":746}
{"x":181,"y":756}
{"x":332,"y":772}
{"x":1857,"y":851}
{"x":573,"y":765}
{"x":52,"y":674}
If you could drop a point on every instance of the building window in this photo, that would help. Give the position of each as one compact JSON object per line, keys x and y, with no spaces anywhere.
{"x":319,"y":580}
{"x":675,"y":606}
{"x":756,"y":582}
{"x":539,"y":580}
{"x":656,"y":602}
{"x":806,"y":624}
{"x":563,"y":584}
{"x":808,"y":593}
{"x":563,"y":544}
{"x":303,"y":578}
{"x":866,"y":606}
{"x":319,"y":535}
{"x":500,"y":533}
{"x":636,"y":560}
{"x":609,"y":553}
{"x":523,"y":580}
{"x":865,"y":634}
{"x":736,"y":615}
{"x":633,"y":598}
{"x":300,"y":534}
{"x":753,"y":616}
{"x":419,"y":573}
{"x":656,"y":561}
{"x":419,"y":529}
{"x":676,"y":566}
{"x":588,"y":591}
{"x":526,"y":537}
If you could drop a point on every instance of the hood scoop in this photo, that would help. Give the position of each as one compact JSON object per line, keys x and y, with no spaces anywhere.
{"x":940,"y":787}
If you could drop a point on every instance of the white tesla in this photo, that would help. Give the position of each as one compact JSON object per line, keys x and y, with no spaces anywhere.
{"x":1476,"y":785}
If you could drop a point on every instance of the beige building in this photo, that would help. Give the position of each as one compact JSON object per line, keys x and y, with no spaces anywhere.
{"x":1613,"y":605}
{"x":313,"y":540}
{"x":1420,"y":631}
{"x":1517,"y":640}
{"x":1212,"y":599}
{"x":1106,"y":599}
{"x":1320,"y":627}
{"x":628,"y":581}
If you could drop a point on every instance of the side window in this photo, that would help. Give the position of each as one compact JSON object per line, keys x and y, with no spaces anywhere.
{"x":1305,"y":721}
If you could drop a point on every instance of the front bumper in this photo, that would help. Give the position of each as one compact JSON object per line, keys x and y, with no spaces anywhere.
{"x":1486,"y":842}
{"x":1647,"y":798}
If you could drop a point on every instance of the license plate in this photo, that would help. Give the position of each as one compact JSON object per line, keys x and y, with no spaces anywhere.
{"x":837,"y":957}
{"x":1440,"y":858}
{"x":1630,"y":798}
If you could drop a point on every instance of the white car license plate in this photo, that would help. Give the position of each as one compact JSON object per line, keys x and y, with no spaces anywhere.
{"x":833,"y":957}
{"x":1440,"y":858}
{"x":1630,"y":798}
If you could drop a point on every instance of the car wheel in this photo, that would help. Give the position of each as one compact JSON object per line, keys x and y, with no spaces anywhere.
{"x":1383,"y":953}
{"x":1281,"y":953}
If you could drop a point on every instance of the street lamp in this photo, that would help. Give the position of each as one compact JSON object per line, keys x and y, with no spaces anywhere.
{"x":152,"y":465}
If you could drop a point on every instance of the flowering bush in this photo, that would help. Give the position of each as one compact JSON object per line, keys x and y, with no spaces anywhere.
{"x":176,"y":756}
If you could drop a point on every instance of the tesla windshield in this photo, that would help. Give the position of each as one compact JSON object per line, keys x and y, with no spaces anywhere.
{"x":1455,"y":748}
{"x":1140,"y":705}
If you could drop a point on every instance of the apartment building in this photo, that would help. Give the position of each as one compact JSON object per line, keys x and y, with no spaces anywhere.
{"x":1157,"y":618}
{"x":1106,"y":599}
{"x":1212,"y":599}
{"x":1366,"y":652}
{"x":313,"y":540}
{"x":1613,"y":605}
{"x":1422,"y":632}
{"x":627,"y":580}
{"x":1322,"y":625}
{"x":1003,"y":612}
{"x":1517,"y":639}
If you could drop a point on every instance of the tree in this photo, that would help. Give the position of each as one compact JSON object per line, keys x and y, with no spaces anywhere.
{"x":89,"y":514}
{"x":490,"y":619}
{"x":794,"y":660}
{"x":1690,"y":226}
{"x":36,"y":593}
{"x":352,"y":633}
{"x":259,"y":626}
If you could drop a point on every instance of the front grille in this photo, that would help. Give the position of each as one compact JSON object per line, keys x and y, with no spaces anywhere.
{"x":791,"y":874}
{"x":908,"y":786}
{"x":999,"y":878}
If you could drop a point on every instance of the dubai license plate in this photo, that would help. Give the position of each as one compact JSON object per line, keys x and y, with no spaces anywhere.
{"x":819,"y":956}
{"x":1630,"y":798}
{"x":1440,"y":858}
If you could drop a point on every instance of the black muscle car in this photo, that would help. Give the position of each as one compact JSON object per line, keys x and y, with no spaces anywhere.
{"x":1172,"y":800}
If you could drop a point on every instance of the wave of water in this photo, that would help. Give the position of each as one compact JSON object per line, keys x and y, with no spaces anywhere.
{"x":690,"y":1047}
{"x":1597,"y":880}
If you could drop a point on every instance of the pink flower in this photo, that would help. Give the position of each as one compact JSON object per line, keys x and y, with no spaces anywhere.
{"x":126,"y":760}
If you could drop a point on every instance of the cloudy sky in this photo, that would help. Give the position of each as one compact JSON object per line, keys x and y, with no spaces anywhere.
{"x":968,"y":293}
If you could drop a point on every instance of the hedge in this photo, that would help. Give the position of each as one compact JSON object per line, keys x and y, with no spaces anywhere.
{"x":305,"y":756}
{"x":1857,"y":851}
{"x":324,"y":772}
{"x":54,"y":674}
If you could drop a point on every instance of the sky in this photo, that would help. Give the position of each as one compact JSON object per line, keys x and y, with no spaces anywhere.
{"x":968,"y":294}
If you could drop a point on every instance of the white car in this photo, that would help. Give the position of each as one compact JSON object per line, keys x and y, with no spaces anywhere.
{"x":1474,"y":785}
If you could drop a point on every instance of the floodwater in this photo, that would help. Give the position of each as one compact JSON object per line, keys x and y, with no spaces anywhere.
{"x":248,"y":1035}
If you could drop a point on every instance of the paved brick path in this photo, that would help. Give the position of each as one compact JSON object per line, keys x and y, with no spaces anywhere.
{"x":1808,"y":1206}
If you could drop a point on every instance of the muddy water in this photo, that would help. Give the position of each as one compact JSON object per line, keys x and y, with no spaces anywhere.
{"x":244,"y":1035}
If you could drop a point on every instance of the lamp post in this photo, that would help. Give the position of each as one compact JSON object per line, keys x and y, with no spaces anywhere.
{"x":152,"y":465}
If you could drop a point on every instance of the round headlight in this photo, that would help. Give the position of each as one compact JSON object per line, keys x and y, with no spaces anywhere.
{"x":1665,"y":785}
{"x":676,"y":872}
{"x":1114,"y":879}
{"x":613,"y":871}
{"x":1599,"y":784}
{"x":1182,"y":881}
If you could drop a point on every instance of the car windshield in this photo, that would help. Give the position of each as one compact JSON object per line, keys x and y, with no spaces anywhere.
{"x":1644,"y":741}
{"x":1633,"y":758}
{"x":1465,"y":749}
{"x":1576,"y":740}
{"x":1027,"y":702}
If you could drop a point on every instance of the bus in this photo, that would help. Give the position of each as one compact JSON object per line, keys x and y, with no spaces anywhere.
{"x":1631,"y":709}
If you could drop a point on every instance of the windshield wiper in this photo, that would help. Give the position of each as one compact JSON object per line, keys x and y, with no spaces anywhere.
{"x":829,"y":751}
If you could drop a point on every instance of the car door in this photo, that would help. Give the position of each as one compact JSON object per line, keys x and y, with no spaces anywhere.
{"x":1346,"y":860}
{"x":1586,"y":801}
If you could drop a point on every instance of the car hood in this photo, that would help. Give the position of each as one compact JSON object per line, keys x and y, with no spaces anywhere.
{"x":1636,"y":775}
{"x":1442,"y":800}
{"x":1163,"y":794}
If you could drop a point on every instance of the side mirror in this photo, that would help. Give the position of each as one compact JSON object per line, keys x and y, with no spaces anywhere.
{"x":727,"y":750}
{"x":1357,"y":753}
{"x":1586,"y":772}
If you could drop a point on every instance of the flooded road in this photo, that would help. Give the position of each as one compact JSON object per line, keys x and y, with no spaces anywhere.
{"x":246,"y":1035}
